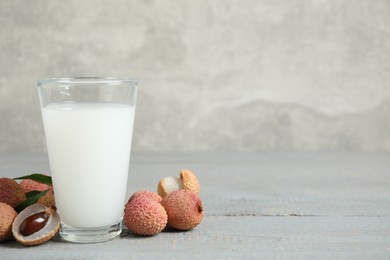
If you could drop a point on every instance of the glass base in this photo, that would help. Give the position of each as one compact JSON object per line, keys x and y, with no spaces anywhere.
{"x":90,"y":235}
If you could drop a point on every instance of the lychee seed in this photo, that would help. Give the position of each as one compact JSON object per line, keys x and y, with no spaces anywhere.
{"x":35,"y":225}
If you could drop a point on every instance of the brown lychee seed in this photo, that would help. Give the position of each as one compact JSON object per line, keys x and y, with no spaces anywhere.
{"x":35,"y":225}
{"x":145,"y":216}
{"x":146,"y":194}
{"x":47,"y":199}
{"x":11,"y":192}
{"x":187,"y":181}
{"x":7,"y":216}
{"x":184,"y":209}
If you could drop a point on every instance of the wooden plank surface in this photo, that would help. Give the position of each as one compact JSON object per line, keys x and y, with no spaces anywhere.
{"x":258,"y":205}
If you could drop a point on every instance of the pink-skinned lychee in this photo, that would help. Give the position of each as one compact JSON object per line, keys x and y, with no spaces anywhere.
{"x":7,"y":217}
{"x":184,"y":209}
{"x":11,"y":192}
{"x":144,"y":215}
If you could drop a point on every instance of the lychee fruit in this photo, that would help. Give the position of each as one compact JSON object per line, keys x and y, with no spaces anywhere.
{"x":146,"y":194}
{"x":48,"y":199}
{"x":11,"y":192}
{"x":187,"y":181}
{"x":7,"y":216}
{"x":30,"y":185}
{"x":144,"y":215}
{"x":184,"y":209}
{"x":35,"y":225}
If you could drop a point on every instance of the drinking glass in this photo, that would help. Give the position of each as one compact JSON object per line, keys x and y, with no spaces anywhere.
{"x":88,"y":124}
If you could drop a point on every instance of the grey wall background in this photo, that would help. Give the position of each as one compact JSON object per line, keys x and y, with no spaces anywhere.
{"x":214,"y":75}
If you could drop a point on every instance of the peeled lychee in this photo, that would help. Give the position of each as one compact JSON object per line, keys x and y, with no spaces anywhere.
{"x":30,"y":185}
{"x":145,"y":216}
{"x":7,"y":216}
{"x":35,"y":225}
{"x":11,"y":192}
{"x":184,"y":209}
{"x":145,"y":194}
{"x":187,"y":181}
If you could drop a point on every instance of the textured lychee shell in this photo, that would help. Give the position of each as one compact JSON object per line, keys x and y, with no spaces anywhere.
{"x":48,"y":199}
{"x":41,"y":236}
{"x":30,"y":185}
{"x":190,"y":181}
{"x":145,"y":194}
{"x":11,"y":192}
{"x":161,"y":190}
{"x":184,"y":209}
{"x":7,"y":216}
{"x":145,"y":216}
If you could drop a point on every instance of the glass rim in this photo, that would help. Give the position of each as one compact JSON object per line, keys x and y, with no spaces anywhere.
{"x":67,"y":81}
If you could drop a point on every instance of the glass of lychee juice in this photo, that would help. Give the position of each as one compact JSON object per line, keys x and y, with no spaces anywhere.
{"x":88,"y":124}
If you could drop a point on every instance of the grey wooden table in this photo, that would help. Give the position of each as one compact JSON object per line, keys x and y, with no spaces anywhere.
{"x":257,"y":205}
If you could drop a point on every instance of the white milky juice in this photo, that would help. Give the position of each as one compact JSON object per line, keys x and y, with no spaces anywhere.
{"x":89,"y":152}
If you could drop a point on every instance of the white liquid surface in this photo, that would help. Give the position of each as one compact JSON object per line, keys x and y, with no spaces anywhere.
{"x":89,"y":153}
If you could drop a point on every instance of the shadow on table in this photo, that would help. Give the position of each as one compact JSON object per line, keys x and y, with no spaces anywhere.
{"x":127,"y":233}
{"x":12,"y":244}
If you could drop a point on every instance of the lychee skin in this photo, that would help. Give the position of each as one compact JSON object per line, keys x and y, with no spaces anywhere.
{"x":48,"y":199}
{"x":11,"y":192}
{"x":146,"y":194}
{"x":184,"y":209}
{"x":7,"y":216}
{"x":30,"y":185}
{"x":145,"y":216}
{"x":190,"y":181}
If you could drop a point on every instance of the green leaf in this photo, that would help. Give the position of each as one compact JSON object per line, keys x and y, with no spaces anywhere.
{"x":32,"y":193}
{"x":32,"y":198}
{"x":37,"y":177}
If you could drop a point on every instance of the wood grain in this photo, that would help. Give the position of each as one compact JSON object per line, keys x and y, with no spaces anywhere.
{"x":258,"y":205}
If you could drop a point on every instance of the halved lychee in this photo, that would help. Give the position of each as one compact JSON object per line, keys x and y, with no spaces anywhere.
{"x":35,"y":225}
{"x":187,"y":181}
